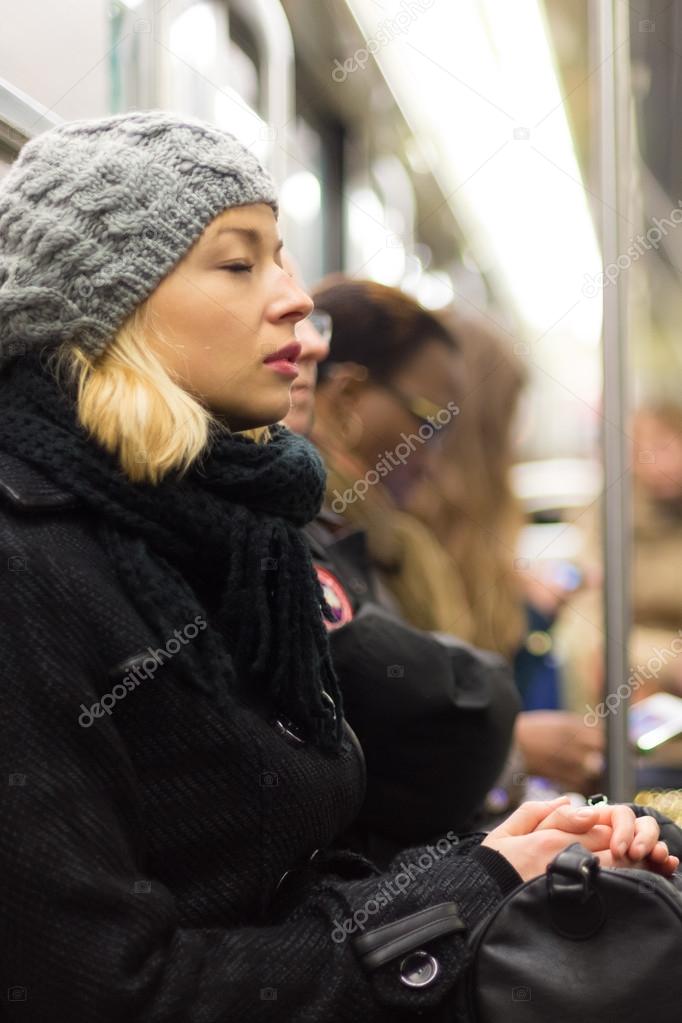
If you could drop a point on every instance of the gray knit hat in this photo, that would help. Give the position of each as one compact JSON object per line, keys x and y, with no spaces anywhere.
{"x":94,"y":213}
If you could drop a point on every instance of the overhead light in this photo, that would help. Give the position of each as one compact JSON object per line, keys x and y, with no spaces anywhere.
{"x":478,"y":87}
{"x":434,"y":290}
{"x":193,"y":36}
{"x":300,"y":197}
{"x":377,"y":252}
{"x":234,"y":115}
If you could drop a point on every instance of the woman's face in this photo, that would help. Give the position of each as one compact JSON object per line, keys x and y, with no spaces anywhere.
{"x":223,"y":319}
{"x":370,"y":421}
{"x":658,"y":456}
{"x":314,"y":349}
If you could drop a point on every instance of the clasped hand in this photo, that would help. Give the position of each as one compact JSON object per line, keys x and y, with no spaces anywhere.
{"x":532,"y":836}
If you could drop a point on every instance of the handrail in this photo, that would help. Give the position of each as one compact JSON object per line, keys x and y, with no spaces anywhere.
{"x":21,"y":116}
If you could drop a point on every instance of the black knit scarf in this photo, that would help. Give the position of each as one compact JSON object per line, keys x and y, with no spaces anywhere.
{"x":222,"y":541}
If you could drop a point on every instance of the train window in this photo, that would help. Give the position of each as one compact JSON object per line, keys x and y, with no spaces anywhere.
{"x":196,"y":58}
{"x":57,"y":53}
{"x":245,"y":62}
{"x":301,"y":201}
{"x":208,"y":61}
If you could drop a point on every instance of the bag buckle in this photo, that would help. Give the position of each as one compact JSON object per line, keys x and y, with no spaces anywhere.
{"x":576,"y":908}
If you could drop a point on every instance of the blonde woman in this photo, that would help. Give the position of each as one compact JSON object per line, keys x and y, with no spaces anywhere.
{"x":173,"y":739}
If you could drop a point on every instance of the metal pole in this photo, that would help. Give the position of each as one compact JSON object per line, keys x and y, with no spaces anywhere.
{"x":611,"y":23}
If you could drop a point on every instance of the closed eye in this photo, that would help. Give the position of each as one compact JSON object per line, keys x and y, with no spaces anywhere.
{"x":238,"y":268}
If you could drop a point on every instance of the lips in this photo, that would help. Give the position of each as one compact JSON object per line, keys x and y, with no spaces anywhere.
{"x":289,"y":353}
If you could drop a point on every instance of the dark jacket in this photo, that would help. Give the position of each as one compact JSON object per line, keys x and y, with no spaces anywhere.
{"x":434,"y":715}
{"x":155,"y":855}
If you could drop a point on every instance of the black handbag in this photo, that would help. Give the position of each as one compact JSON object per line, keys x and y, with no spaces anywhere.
{"x":580,"y":944}
{"x":434,"y":716}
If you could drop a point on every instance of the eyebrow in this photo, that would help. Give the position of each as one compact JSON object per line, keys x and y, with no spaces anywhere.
{"x":251,"y":233}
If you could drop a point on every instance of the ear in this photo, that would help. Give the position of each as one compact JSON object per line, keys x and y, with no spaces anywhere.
{"x":343,"y":384}
{"x":336,"y":403}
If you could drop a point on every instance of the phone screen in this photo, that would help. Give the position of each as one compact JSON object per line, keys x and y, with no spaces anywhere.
{"x":655,"y":720}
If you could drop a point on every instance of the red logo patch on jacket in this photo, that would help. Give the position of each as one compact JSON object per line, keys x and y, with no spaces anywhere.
{"x":336,"y":597}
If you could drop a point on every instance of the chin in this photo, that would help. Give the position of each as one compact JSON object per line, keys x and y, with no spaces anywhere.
{"x":299,"y":420}
{"x":269,"y":415}
{"x":266,"y":412}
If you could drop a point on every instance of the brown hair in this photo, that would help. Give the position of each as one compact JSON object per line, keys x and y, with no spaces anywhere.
{"x":375,"y":326}
{"x":467,"y":500}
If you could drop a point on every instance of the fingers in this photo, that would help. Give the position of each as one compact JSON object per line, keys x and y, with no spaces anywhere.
{"x":595,"y":839}
{"x":659,"y":852}
{"x":645,"y":838}
{"x":634,"y":837}
{"x":667,"y":867}
{"x":607,"y":859}
{"x":658,"y":862}
{"x":622,"y":821}
{"x":529,"y":816}
{"x":573,"y":820}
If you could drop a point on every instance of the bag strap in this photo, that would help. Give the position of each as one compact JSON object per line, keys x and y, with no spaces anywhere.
{"x":576,"y":908}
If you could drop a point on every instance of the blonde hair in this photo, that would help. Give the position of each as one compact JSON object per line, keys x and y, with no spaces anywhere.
{"x":129,"y":403}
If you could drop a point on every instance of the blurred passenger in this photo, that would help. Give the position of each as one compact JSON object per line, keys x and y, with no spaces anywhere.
{"x":657,"y":541}
{"x":655,"y":640}
{"x":466,"y":499}
{"x":426,"y":710}
{"x":392,"y":365}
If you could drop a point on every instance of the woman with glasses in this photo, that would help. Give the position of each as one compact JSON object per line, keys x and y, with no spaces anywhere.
{"x":386,"y":395}
{"x":391,"y":360}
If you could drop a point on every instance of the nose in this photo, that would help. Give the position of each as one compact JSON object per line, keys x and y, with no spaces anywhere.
{"x":314,"y":348}
{"x":292,"y":302}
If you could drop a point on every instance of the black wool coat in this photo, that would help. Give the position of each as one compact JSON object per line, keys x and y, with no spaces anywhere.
{"x":163,"y":862}
{"x":426,"y":707}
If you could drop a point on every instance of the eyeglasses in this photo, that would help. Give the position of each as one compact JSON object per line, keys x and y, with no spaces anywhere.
{"x":419,"y":407}
{"x":322,"y":322}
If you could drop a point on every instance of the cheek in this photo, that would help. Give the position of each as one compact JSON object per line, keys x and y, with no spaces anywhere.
{"x":203,"y":308}
{"x":379,"y":417}
{"x":387,"y":424}
{"x":206,"y":345}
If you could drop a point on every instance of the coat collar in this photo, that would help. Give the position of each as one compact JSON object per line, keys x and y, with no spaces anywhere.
{"x":27,"y":487}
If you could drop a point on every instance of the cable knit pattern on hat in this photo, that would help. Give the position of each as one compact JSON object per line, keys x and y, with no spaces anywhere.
{"x":94,"y":213}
